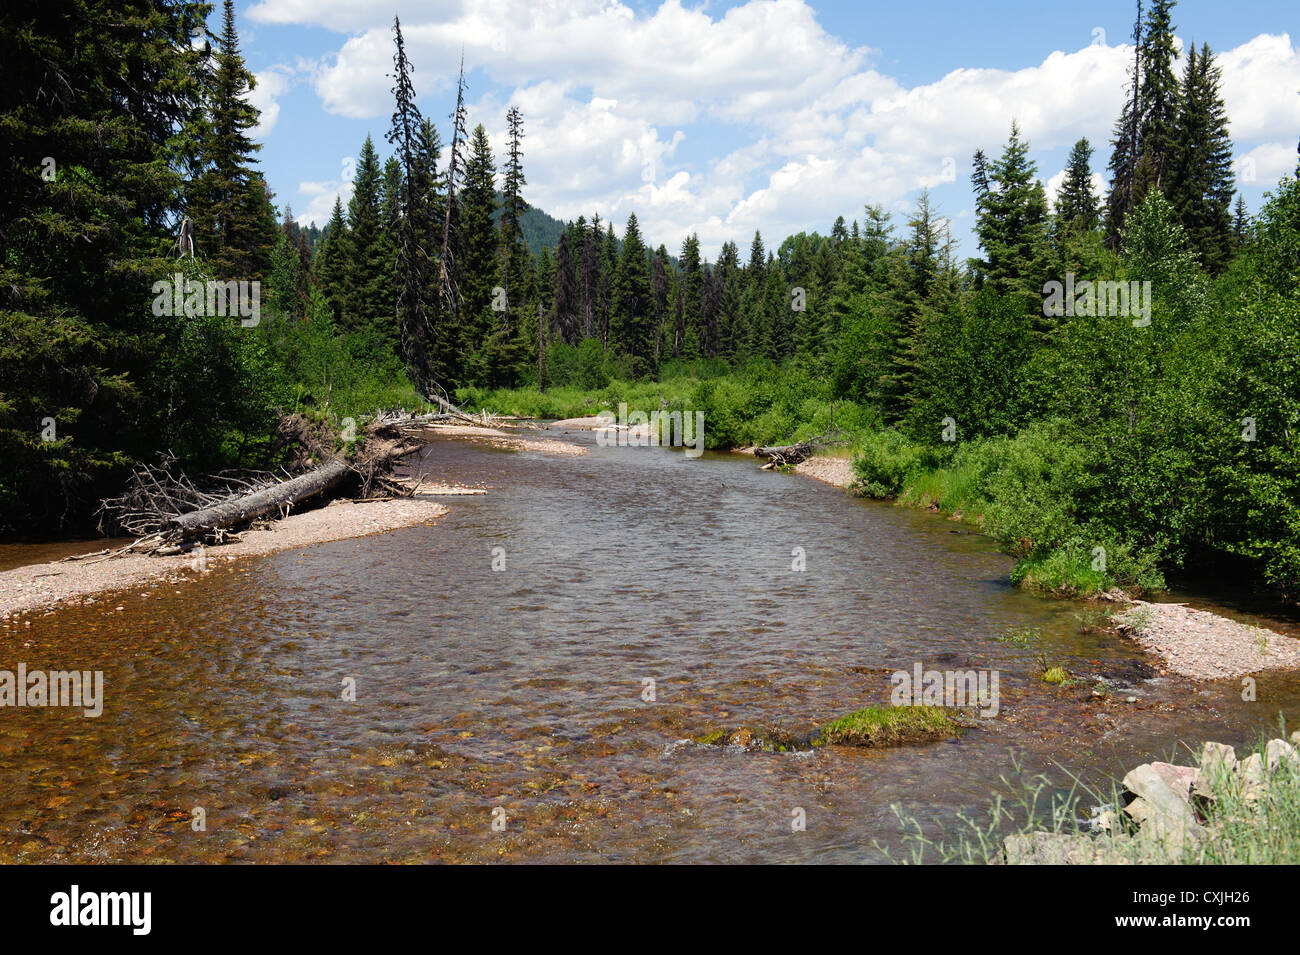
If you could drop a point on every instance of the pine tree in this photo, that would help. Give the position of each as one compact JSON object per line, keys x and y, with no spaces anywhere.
{"x":730,"y":327}
{"x":692,"y":298}
{"x":228,"y":201}
{"x":568,"y":304}
{"x":1076,"y":237}
{"x":1200,"y":173}
{"x":430,"y":358}
{"x":329,"y":265}
{"x":1240,"y":225}
{"x":112,"y":94}
{"x":369,"y":302}
{"x":632,"y":321}
{"x":1012,"y":222}
{"x":1076,"y":203}
{"x":589,"y":280}
{"x":1124,"y":146}
{"x":660,"y":290}
{"x":478,"y":239}
{"x":1158,"y":101}
{"x":514,"y":253}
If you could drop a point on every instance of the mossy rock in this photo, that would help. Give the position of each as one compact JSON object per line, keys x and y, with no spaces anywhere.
{"x":755,"y":738}
{"x":889,"y":726}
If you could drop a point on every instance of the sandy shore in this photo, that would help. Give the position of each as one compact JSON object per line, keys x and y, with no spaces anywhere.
{"x":836,"y":471}
{"x":1203,"y":645}
{"x":41,"y":586}
{"x":589,"y":423}
{"x":502,"y":439}
{"x":820,"y":467}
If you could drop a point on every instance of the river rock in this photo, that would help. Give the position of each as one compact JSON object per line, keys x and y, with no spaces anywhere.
{"x":1218,"y":762}
{"x":1251,"y":776}
{"x":1178,"y":778}
{"x":1218,"y":757}
{"x":1279,"y":751}
{"x":1050,"y":848}
{"x":1251,"y":769}
{"x":1166,"y":815}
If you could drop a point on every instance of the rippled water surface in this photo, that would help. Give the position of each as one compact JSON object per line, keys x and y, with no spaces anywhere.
{"x":522,"y":688}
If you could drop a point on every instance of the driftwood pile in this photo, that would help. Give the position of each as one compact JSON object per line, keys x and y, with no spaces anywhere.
{"x":788,"y":455}
{"x":168,"y":513}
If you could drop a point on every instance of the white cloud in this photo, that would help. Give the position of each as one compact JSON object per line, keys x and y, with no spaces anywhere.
{"x":270,"y":85}
{"x":802,"y":126}
{"x":320,"y":198}
{"x":1267,"y":163}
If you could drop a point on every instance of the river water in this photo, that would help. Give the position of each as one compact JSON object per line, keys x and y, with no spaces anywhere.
{"x":515,"y":696}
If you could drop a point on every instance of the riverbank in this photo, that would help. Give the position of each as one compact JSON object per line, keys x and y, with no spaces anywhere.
{"x":43,"y":586}
{"x":1220,"y":811}
{"x":1191,"y":643}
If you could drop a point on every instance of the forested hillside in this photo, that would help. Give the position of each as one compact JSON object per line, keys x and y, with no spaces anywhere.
{"x":1102,"y":438}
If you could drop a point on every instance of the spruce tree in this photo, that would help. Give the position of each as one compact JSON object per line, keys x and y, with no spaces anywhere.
{"x":1201,"y":174}
{"x":1158,"y":102}
{"x":692,"y":298}
{"x":1076,"y":203}
{"x":478,"y":239}
{"x":369,"y":302}
{"x":232,"y":227}
{"x":1012,"y":222}
{"x":568,"y":304}
{"x":430,"y":357}
{"x":514,"y":253}
{"x":329,"y":264}
{"x":102,"y":91}
{"x":1124,"y":146}
{"x":632,"y":319}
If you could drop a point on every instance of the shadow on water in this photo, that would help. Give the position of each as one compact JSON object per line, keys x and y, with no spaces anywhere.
{"x":521,"y":689}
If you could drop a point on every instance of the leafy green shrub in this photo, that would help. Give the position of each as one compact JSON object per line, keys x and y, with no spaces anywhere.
{"x":885,"y":459}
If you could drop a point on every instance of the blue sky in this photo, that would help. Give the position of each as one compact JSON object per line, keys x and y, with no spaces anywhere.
{"x":772,"y":114}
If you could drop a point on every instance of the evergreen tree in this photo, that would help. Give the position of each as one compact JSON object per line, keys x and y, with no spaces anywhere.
{"x":430,"y":357}
{"x":1012,"y":223}
{"x":478,"y":239}
{"x":730,"y":327}
{"x":660,"y":290}
{"x":113,"y":95}
{"x":234,"y":229}
{"x":1124,"y":146}
{"x":514,"y":253}
{"x":589,"y":280}
{"x":568,"y":303}
{"x":632,"y":321}
{"x":1200,"y":172}
{"x":1240,"y":225}
{"x":1158,"y":101}
{"x":330,"y":261}
{"x":1076,"y":204}
{"x":693,"y":341}
{"x":369,"y":303}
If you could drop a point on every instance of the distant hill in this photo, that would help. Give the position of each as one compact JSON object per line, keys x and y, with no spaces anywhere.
{"x":541,"y":231}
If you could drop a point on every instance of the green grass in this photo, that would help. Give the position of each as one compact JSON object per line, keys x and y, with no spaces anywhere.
{"x":1239,"y":829}
{"x":1057,"y":675}
{"x":889,"y":726}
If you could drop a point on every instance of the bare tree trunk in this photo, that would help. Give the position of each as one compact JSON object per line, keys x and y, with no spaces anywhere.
{"x":269,"y":499}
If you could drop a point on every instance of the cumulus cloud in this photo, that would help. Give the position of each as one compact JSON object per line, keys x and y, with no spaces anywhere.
{"x":270,"y":84}
{"x":801,"y":126}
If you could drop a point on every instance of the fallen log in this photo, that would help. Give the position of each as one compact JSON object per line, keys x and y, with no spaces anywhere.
{"x":451,"y":409}
{"x":786,"y":454}
{"x":278,"y":497}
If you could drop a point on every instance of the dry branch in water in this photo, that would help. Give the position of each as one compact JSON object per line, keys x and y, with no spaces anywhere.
{"x":167,"y":511}
{"x":779,"y":456}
